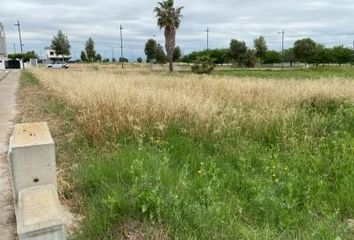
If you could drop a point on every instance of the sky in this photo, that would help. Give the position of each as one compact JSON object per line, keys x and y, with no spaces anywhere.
{"x":330,"y":22}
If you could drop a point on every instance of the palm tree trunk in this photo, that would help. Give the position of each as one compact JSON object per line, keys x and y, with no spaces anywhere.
{"x":170,"y":37}
{"x":170,"y":58}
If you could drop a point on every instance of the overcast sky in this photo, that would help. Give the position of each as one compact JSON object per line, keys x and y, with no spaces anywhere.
{"x":329,"y":22}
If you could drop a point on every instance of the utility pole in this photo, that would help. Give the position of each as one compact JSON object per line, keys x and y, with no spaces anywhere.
{"x":207,"y":31}
{"x":112,"y":48}
{"x":121,"y":45}
{"x":21,"y":45}
{"x":15,"y":48}
{"x":282,"y":48}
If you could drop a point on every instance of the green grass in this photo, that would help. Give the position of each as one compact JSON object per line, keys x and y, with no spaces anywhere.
{"x":281,"y":180}
{"x":311,"y":73}
{"x":28,"y":79}
{"x":277,"y":182}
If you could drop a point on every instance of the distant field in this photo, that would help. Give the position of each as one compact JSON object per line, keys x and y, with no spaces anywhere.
{"x":237,"y":155}
{"x":346,"y":71}
{"x":312,"y":73}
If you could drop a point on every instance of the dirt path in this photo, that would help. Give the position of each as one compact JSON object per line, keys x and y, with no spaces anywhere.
{"x":8,"y":87}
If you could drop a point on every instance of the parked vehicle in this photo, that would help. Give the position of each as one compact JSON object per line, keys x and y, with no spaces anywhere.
{"x":58,"y":65}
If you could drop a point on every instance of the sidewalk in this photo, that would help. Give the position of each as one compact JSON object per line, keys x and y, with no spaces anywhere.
{"x":8,"y":87}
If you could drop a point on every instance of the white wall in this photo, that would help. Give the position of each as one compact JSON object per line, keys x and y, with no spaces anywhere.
{"x":2,"y":65}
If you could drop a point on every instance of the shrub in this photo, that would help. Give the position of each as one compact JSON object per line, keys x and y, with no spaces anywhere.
{"x":204,"y":65}
{"x":249,"y":60}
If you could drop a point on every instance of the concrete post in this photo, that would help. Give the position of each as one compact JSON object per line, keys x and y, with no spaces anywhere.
{"x":39,"y":214}
{"x":32,"y":154}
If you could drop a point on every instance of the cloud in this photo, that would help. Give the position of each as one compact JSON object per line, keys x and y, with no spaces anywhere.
{"x":326,"y":21}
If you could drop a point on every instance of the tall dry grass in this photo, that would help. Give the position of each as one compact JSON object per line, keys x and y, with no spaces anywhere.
{"x":136,"y":98}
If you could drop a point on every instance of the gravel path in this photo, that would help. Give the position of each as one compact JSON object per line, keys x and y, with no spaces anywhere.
{"x":8,"y":87}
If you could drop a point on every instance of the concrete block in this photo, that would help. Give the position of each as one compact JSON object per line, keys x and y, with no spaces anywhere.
{"x":39,"y":214}
{"x":32,"y":154}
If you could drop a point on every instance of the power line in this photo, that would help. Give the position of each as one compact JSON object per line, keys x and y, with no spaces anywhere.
{"x":21,"y":45}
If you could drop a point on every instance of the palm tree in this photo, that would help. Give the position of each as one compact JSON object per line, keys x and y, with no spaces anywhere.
{"x":169,"y":18}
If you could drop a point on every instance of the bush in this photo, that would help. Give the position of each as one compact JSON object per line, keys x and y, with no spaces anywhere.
{"x":249,"y":60}
{"x":204,"y":65}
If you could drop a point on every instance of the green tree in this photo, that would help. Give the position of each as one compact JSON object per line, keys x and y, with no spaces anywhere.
{"x":83,"y":56}
{"x":98,"y":57}
{"x":60,"y":44}
{"x":317,"y":57}
{"x":161,"y":57}
{"x":177,"y":54}
{"x":26,"y":56}
{"x":90,"y":49}
{"x":237,"y":51}
{"x":342,"y":54}
{"x":220,"y":56}
{"x":305,"y":50}
{"x":169,"y":18}
{"x":272,"y":57}
{"x":123,"y":59}
{"x":249,"y":59}
{"x":139,"y":60}
{"x":150,"y":50}
{"x":289,"y":56}
{"x":326,"y":56}
{"x":260,"y":45}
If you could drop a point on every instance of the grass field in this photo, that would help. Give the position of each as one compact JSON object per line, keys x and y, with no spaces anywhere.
{"x":311,"y":73}
{"x":158,"y":156}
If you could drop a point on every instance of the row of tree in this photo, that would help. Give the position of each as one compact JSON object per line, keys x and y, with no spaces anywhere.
{"x":155,"y":53}
{"x":26,"y":56}
{"x":304,"y":51}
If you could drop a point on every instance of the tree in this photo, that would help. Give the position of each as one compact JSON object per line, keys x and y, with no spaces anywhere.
{"x":305,"y":50}
{"x":26,"y":56}
{"x":342,"y":54}
{"x":161,"y":57}
{"x":61,"y":45}
{"x":169,"y":18}
{"x":150,"y":50}
{"x":326,"y":56}
{"x":318,"y":56}
{"x":83,"y":56}
{"x":139,"y":60}
{"x":260,"y":45}
{"x":123,"y":59}
{"x":177,"y":54}
{"x":220,"y":56}
{"x":249,"y":59}
{"x":237,"y":50}
{"x":289,"y":56}
{"x":98,"y":57}
{"x":272,"y":57}
{"x":90,"y":49}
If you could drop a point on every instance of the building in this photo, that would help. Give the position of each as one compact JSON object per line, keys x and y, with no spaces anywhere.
{"x":3,"y":50}
{"x":52,"y":56}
